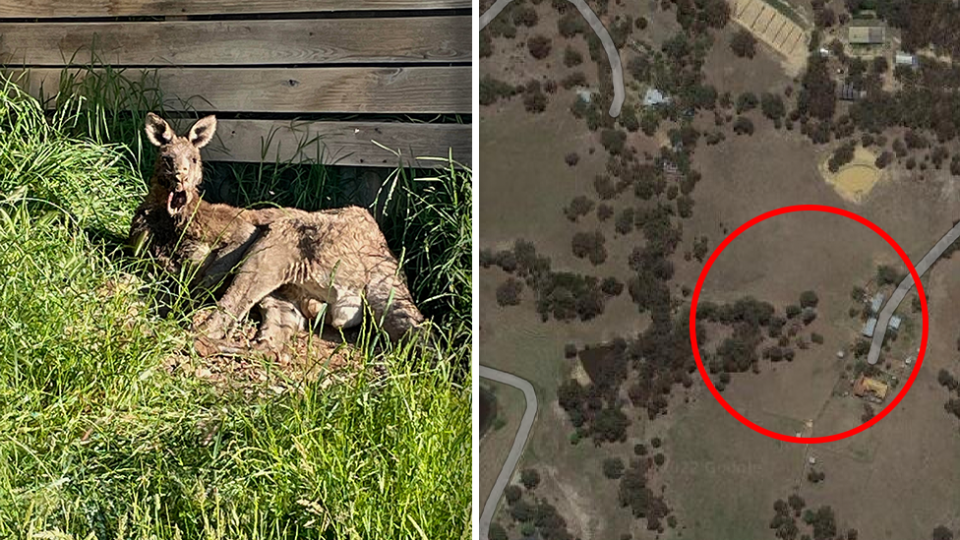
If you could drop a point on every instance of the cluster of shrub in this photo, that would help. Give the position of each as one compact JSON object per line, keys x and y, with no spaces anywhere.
{"x":815,"y":476}
{"x":822,"y":522}
{"x":923,"y":23}
{"x":634,"y":491}
{"x":698,"y":17}
{"x":593,"y":412}
{"x":948,"y":381}
{"x":748,"y":317}
{"x":535,"y":94}
{"x":661,"y":353}
{"x":644,"y":503}
{"x":538,"y":516}
{"x":505,"y":25}
{"x":562,"y":295}
{"x":942,"y":532}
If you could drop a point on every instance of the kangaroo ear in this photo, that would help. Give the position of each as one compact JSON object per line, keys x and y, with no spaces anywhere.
{"x":202,"y":132}
{"x":158,"y":130}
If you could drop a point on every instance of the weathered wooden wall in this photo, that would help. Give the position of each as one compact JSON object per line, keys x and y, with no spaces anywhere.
{"x":290,"y":62}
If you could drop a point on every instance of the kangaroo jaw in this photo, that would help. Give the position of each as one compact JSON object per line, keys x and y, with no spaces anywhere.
{"x":176,"y":200}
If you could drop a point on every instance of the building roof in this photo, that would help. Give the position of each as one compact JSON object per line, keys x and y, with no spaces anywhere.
{"x":876,"y":302}
{"x":654,"y":97}
{"x":671,"y":169}
{"x":905,"y":59}
{"x":895,"y":322}
{"x":585,"y":95}
{"x":866,"y":32}
{"x":869,"y":327}
{"x":848,"y":92}
{"x":868,"y":386}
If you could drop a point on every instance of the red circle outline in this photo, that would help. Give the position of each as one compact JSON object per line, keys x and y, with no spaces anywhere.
{"x":696,"y":297}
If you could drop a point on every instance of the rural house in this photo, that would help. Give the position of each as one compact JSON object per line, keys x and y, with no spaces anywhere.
{"x":585,"y":95}
{"x":870,"y":389}
{"x":654,"y":97}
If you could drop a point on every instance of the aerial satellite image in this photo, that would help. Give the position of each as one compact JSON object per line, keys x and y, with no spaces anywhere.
{"x":718,"y":296}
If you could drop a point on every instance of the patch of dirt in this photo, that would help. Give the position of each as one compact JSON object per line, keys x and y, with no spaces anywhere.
{"x":235,"y":364}
{"x":578,"y":373}
{"x":574,"y":503}
{"x":855,"y":180}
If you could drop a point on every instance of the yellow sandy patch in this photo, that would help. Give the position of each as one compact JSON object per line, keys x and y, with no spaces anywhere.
{"x":856,"y":179}
{"x":580,"y":374}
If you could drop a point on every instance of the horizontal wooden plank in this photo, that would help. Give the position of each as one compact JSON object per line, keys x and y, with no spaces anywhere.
{"x":293,"y":90}
{"x":339,"y":143}
{"x":185,"y":43}
{"x":147,"y":8}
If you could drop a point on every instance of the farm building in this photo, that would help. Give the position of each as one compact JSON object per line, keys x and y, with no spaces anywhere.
{"x":869,"y":327}
{"x":876,"y":302}
{"x":867,"y":32}
{"x":871,"y":389}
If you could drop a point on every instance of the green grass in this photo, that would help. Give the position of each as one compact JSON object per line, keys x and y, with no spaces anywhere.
{"x":98,"y":441}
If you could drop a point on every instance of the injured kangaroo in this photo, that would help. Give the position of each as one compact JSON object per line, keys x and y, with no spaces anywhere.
{"x":290,"y":262}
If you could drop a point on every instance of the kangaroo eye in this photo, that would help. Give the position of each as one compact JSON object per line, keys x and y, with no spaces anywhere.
{"x":194,"y":160}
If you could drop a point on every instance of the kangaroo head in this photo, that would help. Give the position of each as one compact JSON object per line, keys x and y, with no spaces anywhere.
{"x":179,"y":169}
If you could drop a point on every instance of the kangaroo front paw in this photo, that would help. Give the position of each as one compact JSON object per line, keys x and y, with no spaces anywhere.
{"x":216,"y":327}
{"x":206,"y":347}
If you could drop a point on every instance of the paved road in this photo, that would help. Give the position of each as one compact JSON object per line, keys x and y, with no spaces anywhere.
{"x":523,"y":433}
{"x":897,"y":297}
{"x":612,"y":53}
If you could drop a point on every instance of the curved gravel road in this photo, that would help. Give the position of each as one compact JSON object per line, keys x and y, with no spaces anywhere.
{"x":523,"y":433}
{"x":894,"y":302}
{"x":612,"y":53}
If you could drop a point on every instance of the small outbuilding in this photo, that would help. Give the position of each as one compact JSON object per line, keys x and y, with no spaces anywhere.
{"x":869,"y":328}
{"x":876,"y":302}
{"x":895,"y":322}
{"x":905,"y":59}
